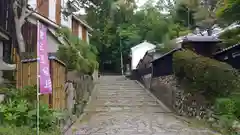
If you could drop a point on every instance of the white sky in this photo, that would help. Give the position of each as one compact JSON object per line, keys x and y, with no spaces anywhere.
{"x":140,"y":2}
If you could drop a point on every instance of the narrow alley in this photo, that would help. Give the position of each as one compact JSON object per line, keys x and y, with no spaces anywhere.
{"x":122,"y":107}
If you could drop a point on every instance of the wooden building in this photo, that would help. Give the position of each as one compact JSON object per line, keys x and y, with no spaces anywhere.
{"x":230,"y":55}
{"x":203,"y":45}
{"x":163,"y":65}
{"x":7,"y":40}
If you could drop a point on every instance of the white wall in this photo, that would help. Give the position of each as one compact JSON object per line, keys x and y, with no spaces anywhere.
{"x":32,"y":3}
{"x":138,"y":54}
{"x":87,"y":37}
{"x":80,"y":31}
{"x":52,"y":10}
{"x":52,"y":43}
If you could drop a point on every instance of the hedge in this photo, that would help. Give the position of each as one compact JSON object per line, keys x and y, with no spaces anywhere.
{"x":213,"y":78}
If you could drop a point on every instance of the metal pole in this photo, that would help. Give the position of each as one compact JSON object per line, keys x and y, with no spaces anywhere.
{"x":121,"y":54}
{"x":188,"y":18}
{"x":38,"y":94}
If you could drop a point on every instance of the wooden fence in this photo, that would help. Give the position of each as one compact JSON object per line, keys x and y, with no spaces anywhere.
{"x":27,"y":76}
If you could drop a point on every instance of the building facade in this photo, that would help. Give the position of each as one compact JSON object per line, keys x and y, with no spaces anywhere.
{"x":52,"y":13}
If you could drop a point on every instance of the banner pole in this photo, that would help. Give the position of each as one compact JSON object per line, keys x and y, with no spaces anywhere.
{"x":38,"y":79}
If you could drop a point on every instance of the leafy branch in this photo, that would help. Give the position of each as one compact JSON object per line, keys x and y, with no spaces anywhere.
{"x":78,"y":55}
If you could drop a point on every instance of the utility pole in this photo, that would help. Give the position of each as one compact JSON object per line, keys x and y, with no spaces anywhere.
{"x":120,"y":42}
{"x":121,"y":54}
{"x":188,"y":18}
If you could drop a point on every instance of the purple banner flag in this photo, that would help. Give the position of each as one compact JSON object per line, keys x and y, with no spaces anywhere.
{"x":45,"y":84}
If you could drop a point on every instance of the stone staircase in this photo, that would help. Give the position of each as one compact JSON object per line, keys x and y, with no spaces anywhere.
{"x":122,"y":107}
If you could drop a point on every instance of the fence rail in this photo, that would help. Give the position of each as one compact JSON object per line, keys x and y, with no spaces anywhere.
{"x":26,"y":75}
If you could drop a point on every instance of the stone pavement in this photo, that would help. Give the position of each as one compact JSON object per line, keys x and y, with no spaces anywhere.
{"x":122,"y":107}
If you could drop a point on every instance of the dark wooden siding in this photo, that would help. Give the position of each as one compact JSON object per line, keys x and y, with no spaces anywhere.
{"x":84,"y":33}
{"x":75,"y":25}
{"x":232,"y":56}
{"x":7,"y":25}
{"x":163,"y":66}
{"x":6,"y":16}
{"x":43,"y":7}
{"x":29,"y":31}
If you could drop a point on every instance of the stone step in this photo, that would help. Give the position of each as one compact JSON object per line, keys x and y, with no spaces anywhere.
{"x":122,"y":93}
{"x":117,"y":87}
{"x":122,"y":98}
{"x":126,"y":100}
{"x":129,"y":96}
{"x":119,"y":91}
{"x":151,"y":109}
{"x":123,"y":103}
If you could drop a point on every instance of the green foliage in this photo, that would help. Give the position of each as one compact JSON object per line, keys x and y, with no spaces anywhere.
{"x":19,"y":109}
{"x":228,"y":111}
{"x":229,"y":11}
{"x":113,"y":26}
{"x":226,"y":122}
{"x":78,"y":55}
{"x":214,"y":78}
{"x":230,"y":37}
{"x":13,"y":130}
{"x":225,"y":106}
{"x":184,"y":15}
{"x":27,"y":93}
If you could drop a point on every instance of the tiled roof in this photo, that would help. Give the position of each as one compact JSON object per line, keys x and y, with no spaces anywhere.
{"x":172,"y":51}
{"x":226,"y":49}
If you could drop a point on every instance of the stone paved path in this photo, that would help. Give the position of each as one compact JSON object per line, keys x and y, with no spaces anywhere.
{"x":122,"y":107}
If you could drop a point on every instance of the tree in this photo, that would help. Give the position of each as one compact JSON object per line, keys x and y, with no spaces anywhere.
{"x":114,"y":23}
{"x":229,"y":11}
{"x":204,"y":13}
{"x":20,"y":13}
{"x":78,"y":55}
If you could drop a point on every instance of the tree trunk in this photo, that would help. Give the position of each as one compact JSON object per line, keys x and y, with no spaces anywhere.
{"x":19,"y":36}
{"x":19,"y":20}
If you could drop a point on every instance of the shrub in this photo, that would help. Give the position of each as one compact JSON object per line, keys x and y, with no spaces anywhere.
{"x":225,"y":106}
{"x":230,"y":37}
{"x":213,"y":78}
{"x":19,"y":109}
{"x":78,"y":55}
{"x":28,"y":93}
{"x":13,"y":130}
{"x":20,"y":112}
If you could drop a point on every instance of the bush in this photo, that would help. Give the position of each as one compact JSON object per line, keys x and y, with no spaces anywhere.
{"x":19,"y":109}
{"x":213,"y":78}
{"x":225,"y":106}
{"x":28,"y":93}
{"x":20,"y":112}
{"x":230,"y":37}
{"x":13,"y":130}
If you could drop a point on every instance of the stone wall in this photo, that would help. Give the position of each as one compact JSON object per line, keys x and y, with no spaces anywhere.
{"x":167,"y":89}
